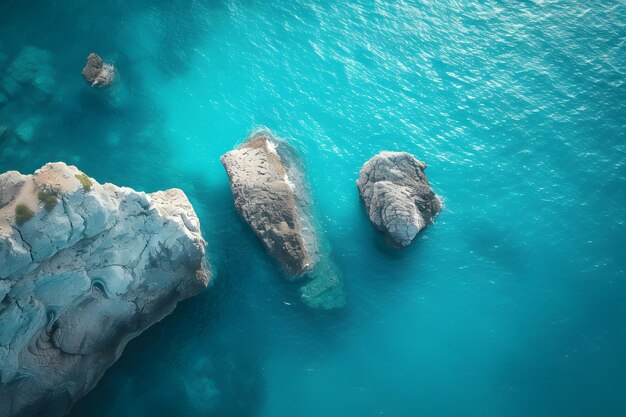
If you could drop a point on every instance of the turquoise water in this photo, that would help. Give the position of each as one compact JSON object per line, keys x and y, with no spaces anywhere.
{"x":512,"y":304}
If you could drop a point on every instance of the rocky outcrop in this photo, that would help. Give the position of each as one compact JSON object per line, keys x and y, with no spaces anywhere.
{"x":97,"y":72}
{"x":84,"y":268}
{"x":270,"y":193}
{"x":266,"y":199}
{"x":397,"y":196}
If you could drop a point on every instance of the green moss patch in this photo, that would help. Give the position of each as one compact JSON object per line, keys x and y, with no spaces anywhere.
{"x":23,"y":214}
{"x":84,"y":179}
{"x":49,"y":200}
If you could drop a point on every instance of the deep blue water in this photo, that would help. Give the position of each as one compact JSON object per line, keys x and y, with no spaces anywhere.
{"x":512,"y":304}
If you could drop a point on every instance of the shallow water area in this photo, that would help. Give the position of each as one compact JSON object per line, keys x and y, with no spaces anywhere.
{"x":511,"y":303}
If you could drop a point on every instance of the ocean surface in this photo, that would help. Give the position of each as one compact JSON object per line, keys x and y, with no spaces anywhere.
{"x":512,"y":304}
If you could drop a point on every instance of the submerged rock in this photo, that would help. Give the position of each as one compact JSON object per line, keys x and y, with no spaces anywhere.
{"x":397,"y":196}
{"x":26,"y":131}
{"x":97,"y":72}
{"x":270,"y":193}
{"x":32,"y":66}
{"x":84,"y":268}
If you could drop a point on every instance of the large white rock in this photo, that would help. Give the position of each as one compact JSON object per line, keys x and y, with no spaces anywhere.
{"x":84,"y":268}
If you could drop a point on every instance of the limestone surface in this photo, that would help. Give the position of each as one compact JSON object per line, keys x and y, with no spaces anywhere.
{"x":271,"y":195}
{"x":397,"y":196}
{"x":84,"y":268}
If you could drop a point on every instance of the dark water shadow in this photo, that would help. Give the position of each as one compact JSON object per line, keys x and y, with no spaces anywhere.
{"x":496,"y":243}
{"x":572,"y":336}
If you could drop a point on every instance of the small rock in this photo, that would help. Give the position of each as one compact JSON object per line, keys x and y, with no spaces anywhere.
{"x":397,"y":196}
{"x":97,"y":72}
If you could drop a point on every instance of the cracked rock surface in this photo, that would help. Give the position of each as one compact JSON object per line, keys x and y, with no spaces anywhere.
{"x":270,"y":193}
{"x":84,"y":268}
{"x":97,"y":72}
{"x":397,"y":196}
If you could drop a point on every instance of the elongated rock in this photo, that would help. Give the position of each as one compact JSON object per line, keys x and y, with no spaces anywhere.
{"x":84,"y":268}
{"x":270,"y":193}
{"x":397,"y":196}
